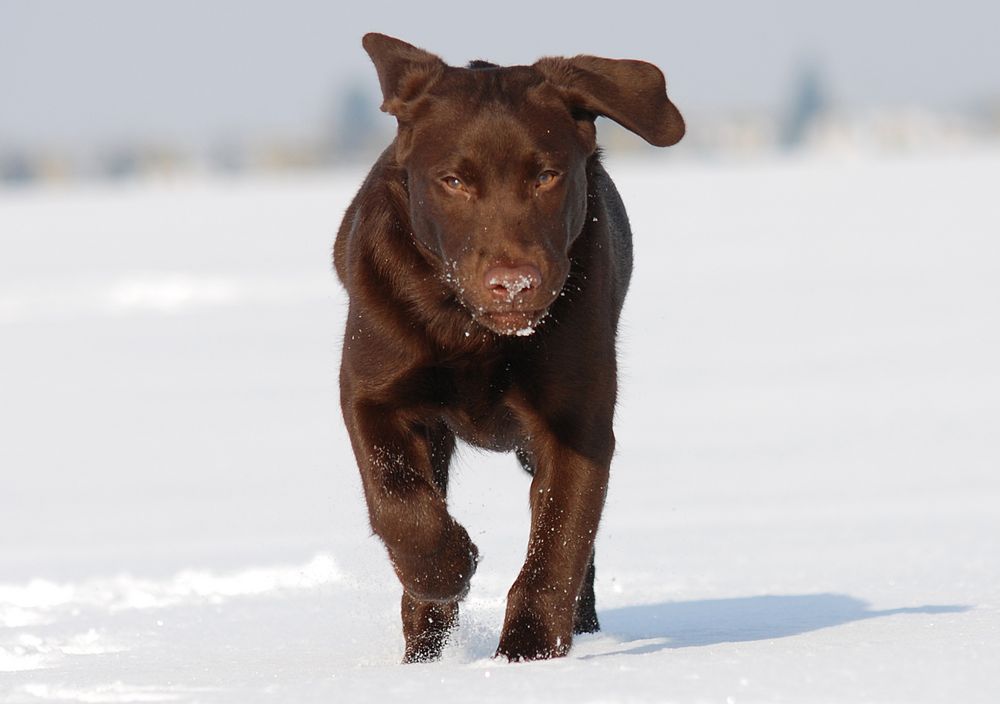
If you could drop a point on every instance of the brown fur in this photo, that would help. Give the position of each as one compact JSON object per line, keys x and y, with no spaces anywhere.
{"x":490,"y":214}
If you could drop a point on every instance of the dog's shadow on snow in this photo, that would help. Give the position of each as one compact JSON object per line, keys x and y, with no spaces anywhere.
{"x":685,"y":624}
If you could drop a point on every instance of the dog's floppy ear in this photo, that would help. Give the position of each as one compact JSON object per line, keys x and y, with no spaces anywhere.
{"x":632,"y":93}
{"x":404,"y":71}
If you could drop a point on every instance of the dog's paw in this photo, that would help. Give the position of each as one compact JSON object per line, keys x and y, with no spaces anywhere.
{"x":427,"y":645}
{"x":444,"y":575}
{"x":426,"y":627}
{"x":527,"y":636}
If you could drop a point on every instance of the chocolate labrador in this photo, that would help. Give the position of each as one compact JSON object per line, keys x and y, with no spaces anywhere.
{"x":486,"y":257}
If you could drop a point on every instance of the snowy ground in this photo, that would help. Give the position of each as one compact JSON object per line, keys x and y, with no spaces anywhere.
{"x":805,"y":504}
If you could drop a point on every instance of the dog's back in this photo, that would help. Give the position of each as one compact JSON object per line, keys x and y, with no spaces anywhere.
{"x":619,"y":229}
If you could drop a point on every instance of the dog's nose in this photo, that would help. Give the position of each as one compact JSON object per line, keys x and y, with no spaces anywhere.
{"x":508,"y":282}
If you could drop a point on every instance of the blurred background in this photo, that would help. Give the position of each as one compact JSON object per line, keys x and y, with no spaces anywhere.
{"x":115,"y":89}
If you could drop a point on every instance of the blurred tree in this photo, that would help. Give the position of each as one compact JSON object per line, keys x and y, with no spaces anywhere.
{"x":809,"y":102}
{"x":16,"y":168}
{"x":354,"y":123}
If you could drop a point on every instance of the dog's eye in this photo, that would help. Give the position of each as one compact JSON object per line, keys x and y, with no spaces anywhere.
{"x":546,"y":178}
{"x":454,"y":183}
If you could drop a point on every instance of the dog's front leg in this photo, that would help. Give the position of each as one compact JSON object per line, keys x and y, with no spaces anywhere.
{"x":404,"y":472}
{"x":567,"y":495}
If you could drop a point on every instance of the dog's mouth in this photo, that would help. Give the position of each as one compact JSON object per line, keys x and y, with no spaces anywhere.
{"x":512,"y":322}
{"x":518,"y":315}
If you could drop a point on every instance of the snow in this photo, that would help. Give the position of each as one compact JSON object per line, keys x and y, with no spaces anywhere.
{"x":805,"y":504}
{"x":513,"y":286}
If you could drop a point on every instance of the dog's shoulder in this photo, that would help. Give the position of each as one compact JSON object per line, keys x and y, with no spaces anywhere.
{"x":376,"y":211}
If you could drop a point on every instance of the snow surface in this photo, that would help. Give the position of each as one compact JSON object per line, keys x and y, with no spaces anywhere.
{"x":805,"y":501}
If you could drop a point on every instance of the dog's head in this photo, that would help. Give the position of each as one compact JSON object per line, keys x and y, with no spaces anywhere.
{"x":495,"y":160}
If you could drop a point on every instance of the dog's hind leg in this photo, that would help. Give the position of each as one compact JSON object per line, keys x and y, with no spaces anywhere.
{"x":585,"y":619}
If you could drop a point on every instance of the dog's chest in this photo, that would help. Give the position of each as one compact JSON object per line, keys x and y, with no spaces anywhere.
{"x":476,"y":408}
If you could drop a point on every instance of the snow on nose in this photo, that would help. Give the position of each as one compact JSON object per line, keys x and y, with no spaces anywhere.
{"x":506,"y":283}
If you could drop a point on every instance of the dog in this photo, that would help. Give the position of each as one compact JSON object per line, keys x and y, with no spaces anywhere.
{"x":486,"y":258}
